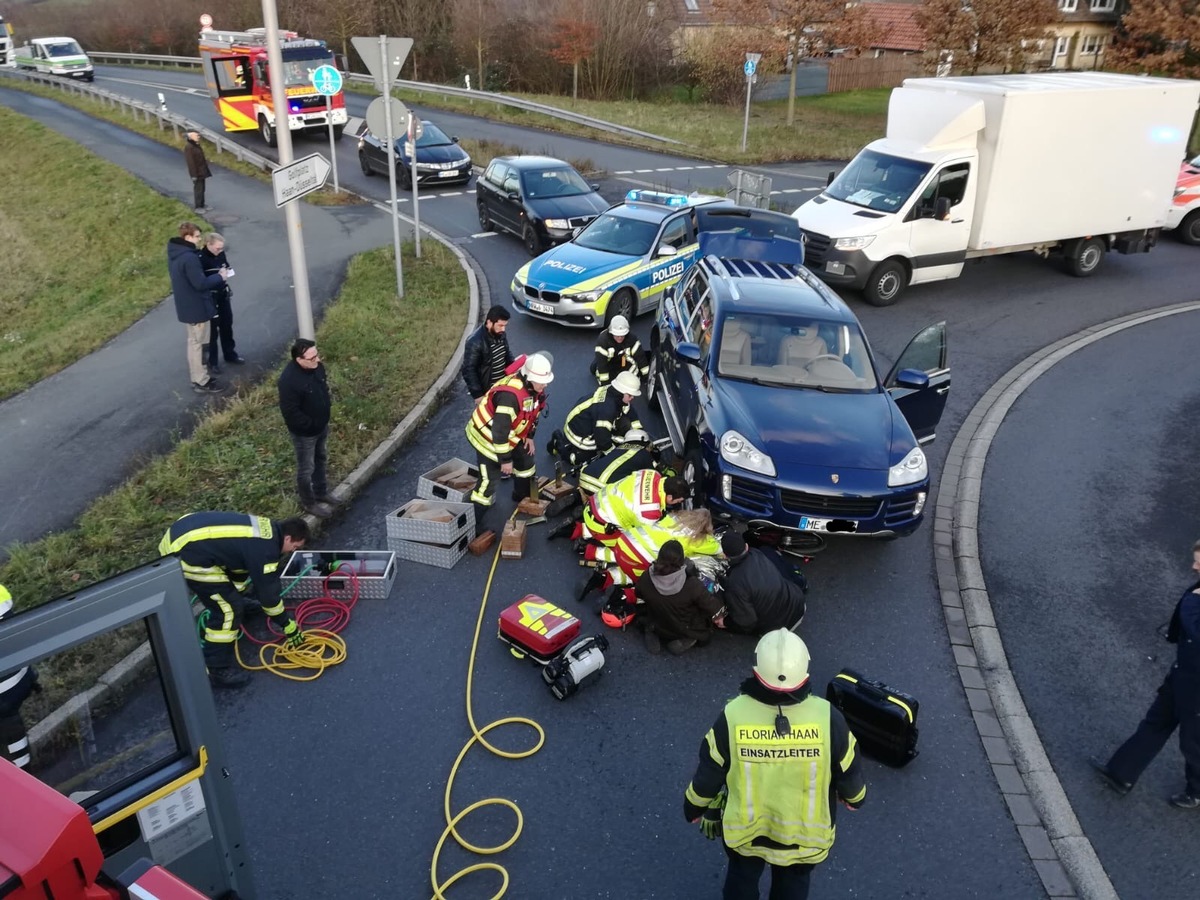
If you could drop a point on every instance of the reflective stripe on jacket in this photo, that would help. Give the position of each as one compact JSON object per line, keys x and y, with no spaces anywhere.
{"x":618,"y":463}
{"x":591,"y":423}
{"x":510,"y":405}
{"x":640,"y":497}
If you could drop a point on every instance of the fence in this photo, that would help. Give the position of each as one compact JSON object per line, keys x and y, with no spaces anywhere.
{"x":871,"y":72}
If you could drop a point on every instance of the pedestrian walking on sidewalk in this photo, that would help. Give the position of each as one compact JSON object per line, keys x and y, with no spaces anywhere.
{"x":197,"y":166}
{"x":305,"y":403}
{"x":213,"y":258}
{"x":193,"y":300}
{"x":1177,"y":705}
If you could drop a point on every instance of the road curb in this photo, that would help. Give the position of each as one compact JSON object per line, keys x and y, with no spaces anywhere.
{"x":1061,"y":853}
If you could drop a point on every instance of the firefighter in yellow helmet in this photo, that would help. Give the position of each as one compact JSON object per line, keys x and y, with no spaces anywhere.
{"x":501,"y":430}
{"x":771,"y":771}
{"x":15,"y":688}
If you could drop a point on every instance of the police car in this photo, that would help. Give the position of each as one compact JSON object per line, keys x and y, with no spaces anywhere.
{"x":625,"y":258}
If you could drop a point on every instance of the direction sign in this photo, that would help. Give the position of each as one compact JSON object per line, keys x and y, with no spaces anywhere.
{"x":749,"y":68}
{"x":377,"y":117}
{"x":395,"y":52}
{"x":293,"y":181}
{"x":327,"y":80}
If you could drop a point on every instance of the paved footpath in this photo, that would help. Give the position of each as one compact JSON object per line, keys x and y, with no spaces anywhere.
{"x":76,"y":435}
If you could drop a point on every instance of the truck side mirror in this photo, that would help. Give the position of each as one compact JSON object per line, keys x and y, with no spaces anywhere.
{"x":941,"y":209}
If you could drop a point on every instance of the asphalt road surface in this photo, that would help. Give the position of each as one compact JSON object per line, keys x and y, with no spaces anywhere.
{"x":341,"y":780}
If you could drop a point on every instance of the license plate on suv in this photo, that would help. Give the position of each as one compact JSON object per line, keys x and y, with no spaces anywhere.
{"x":808,"y":523}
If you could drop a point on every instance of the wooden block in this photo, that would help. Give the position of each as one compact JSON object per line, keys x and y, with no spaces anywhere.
{"x":532,"y":507}
{"x":512,"y":542}
{"x":482,"y":544}
{"x":553,"y":491}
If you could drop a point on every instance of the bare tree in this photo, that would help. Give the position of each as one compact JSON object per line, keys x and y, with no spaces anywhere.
{"x":1160,"y":37}
{"x":573,"y":39}
{"x":987,"y":34}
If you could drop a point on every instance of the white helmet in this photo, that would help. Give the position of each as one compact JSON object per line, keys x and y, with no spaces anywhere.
{"x":628,"y":383}
{"x":635,"y":436}
{"x":6,"y":601}
{"x":781,"y":660}
{"x":618,"y":326}
{"x":537,"y":368}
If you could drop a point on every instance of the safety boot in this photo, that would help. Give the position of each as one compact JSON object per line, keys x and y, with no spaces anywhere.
{"x":594,"y":583}
{"x":560,"y":505}
{"x":228,"y":677}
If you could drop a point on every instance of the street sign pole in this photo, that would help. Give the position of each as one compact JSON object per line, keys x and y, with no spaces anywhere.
{"x":413,"y":136}
{"x":328,"y":81}
{"x":749,"y":68}
{"x":391,"y":155}
{"x":291,"y":211}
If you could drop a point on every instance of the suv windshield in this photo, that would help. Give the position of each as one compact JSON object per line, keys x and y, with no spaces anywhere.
{"x":788,"y":350}
{"x":64,"y":48}
{"x":878,"y":181}
{"x":615,"y":233}
{"x":563,"y":182}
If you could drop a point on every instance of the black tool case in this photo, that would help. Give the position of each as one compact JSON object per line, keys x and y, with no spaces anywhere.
{"x":883,"y":719}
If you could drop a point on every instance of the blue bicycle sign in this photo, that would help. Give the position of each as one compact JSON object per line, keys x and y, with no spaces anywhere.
{"x":327,"y":80}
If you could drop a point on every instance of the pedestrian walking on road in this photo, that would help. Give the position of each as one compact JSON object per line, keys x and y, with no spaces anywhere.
{"x":197,"y":166}
{"x":771,"y":771}
{"x":213,"y":258}
{"x":224,"y":556}
{"x":1177,"y":705}
{"x":486,"y":354}
{"x":193,"y":300}
{"x":305,"y":403}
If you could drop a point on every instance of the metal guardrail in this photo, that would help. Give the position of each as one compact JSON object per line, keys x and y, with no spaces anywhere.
{"x":443,"y":89}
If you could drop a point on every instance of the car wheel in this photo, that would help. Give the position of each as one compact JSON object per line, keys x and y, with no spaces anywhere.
{"x":623,"y":303}
{"x":886,"y":283}
{"x":268,"y":133}
{"x":337,"y":132}
{"x":693,"y":474}
{"x":366,"y":166}
{"x":405,"y":177}
{"x":485,"y":221}
{"x":1189,"y":229}
{"x":533,"y":243}
{"x":1083,"y":256}
{"x":651,"y":387}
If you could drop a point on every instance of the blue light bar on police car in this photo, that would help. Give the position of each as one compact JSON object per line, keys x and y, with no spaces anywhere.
{"x":657,"y":197}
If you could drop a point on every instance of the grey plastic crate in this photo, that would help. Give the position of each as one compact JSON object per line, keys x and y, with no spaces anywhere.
{"x":403,"y":525}
{"x":428,"y":487}
{"x":444,"y":556}
{"x":375,"y":571}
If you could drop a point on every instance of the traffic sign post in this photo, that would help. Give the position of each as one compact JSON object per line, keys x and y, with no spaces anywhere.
{"x":293,"y":181}
{"x":328,"y":81}
{"x":415,"y":130}
{"x":750,"y":68}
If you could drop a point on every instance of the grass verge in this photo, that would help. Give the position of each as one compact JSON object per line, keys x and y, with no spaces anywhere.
{"x":382,"y":354}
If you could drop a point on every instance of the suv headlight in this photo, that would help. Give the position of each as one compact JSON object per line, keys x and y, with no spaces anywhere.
{"x":911,"y":469}
{"x":853,"y":243}
{"x":739,"y":451}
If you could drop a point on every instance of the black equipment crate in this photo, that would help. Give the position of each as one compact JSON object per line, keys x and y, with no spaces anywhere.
{"x":883,"y":720}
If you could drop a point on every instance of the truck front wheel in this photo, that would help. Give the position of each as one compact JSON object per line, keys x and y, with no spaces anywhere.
{"x":886,"y":283}
{"x":1084,"y":256}
{"x":268,"y":133}
{"x":1189,"y":229}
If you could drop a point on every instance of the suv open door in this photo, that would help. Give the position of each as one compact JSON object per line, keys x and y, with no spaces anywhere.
{"x":920,"y":381}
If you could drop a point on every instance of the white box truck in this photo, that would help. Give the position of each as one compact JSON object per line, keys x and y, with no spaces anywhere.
{"x":1075,"y":163}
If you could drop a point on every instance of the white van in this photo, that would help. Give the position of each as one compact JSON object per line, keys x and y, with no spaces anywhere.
{"x":56,"y":56}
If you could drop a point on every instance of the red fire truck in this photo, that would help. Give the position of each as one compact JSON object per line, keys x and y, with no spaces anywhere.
{"x":238,"y":77}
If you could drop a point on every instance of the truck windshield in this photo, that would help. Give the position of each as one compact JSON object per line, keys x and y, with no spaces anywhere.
{"x":64,"y":48}
{"x":878,"y":181}
{"x":298,"y":65}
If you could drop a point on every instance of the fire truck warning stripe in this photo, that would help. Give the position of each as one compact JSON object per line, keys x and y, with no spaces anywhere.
{"x":238,"y":119}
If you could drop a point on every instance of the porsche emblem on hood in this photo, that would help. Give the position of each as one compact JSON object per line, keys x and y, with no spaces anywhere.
{"x":834,"y":476}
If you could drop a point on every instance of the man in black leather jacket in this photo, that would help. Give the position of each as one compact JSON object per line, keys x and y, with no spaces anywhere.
{"x":758,"y":597}
{"x":486,"y":354}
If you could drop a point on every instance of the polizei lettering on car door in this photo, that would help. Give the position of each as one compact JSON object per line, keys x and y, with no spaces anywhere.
{"x":674,"y":270}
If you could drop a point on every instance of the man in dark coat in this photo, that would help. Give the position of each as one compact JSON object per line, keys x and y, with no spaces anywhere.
{"x":758,"y":596}
{"x":213,"y":258}
{"x":193,"y":300}
{"x":1177,"y":705}
{"x":681,"y":609}
{"x":197,"y":166}
{"x":486,"y":354}
{"x":305,"y":403}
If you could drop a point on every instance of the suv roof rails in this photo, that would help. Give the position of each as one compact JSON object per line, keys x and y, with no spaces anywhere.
{"x":736,"y":245}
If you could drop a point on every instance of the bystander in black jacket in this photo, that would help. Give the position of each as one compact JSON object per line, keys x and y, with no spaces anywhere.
{"x":485,"y":358}
{"x":304,"y":399}
{"x":758,"y":597}
{"x":191,"y":287}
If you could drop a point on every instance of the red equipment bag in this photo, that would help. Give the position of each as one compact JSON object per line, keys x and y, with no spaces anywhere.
{"x":537,"y":628}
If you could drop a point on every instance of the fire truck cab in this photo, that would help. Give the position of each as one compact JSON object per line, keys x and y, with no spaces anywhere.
{"x":238,"y":77}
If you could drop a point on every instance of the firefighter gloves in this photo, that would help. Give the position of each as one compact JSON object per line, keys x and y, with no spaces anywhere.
{"x":293,"y":637}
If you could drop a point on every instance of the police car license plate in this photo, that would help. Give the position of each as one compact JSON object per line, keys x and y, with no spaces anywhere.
{"x":544,"y":308}
{"x":447,"y":173}
{"x":810,"y":524}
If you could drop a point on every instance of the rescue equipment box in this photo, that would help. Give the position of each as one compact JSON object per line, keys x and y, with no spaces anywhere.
{"x":444,"y":556}
{"x":883,"y":720}
{"x":431,"y":521}
{"x":374,"y":570}
{"x":453,"y":480}
{"x":535,"y":627}
{"x":512,"y":541}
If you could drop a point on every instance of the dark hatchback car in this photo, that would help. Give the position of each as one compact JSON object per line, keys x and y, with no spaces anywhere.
{"x":772,"y":397}
{"x":539,"y":199}
{"x":439,"y":158}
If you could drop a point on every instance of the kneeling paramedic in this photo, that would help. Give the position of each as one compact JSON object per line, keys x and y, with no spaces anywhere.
{"x":630,"y":454}
{"x":501,"y":430}
{"x":640,"y":498}
{"x":776,"y":762}
{"x":15,"y":688}
{"x":222,"y":554}
{"x":595,"y":419}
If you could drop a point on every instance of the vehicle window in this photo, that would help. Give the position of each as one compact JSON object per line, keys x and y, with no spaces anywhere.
{"x":230,"y":74}
{"x":562,"y":182}
{"x":690,"y":293}
{"x":495,"y":174}
{"x":433,"y":136}
{"x":950,"y":183}
{"x":792,"y":351}
{"x":676,"y":233}
{"x":699,"y":326}
{"x":924,"y":353}
{"x":511,"y":183}
{"x":755,"y":223}
{"x":878,"y":181}
{"x":614,"y":233}
{"x":260,"y":74}
{"x":65,"y":48}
